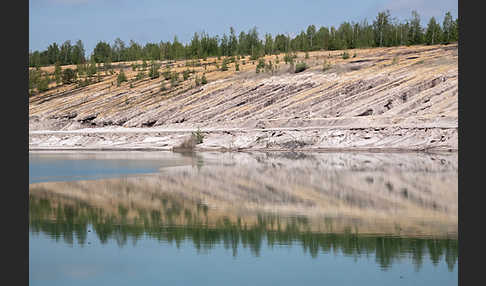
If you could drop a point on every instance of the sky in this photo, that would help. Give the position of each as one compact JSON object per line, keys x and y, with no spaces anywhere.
{"x":160,"y":20}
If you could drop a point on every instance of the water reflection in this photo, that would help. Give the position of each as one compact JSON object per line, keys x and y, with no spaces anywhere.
{"x":393,"y":206}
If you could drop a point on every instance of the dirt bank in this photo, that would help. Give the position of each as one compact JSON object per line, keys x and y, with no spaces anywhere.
{"x":402,"y":98}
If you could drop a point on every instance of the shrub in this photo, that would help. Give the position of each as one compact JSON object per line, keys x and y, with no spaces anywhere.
{"x":81,"y":68}
{"x":197,"y":136}
{"x":166,"y":74}
{"x":121,"y":77}
{"x":203,"y":79}
{"x":306,"y":55}
{"x":92,"y":69}
{"x":68,"y":76}
{"x":85,"y":82}
{"x":190,"y":142}
{"x":254,"y":56}
{"x":154,"y":70}
{"x":57,"y":73}
{"x":300,"y":67}
{"x":224,"y":65}
{"x":345,"y":55}
{"x":269,"y":67}
{"x":326,"y":65}
{"x":34,"y":76}
{"x":237,"y":66}
{"x":174,"y":79}
{"x":289,"y":58}
{"x":260,"y":65}
{"x":140,"y":75}
{"x":43,"y":83}
{"x":185,"y":74}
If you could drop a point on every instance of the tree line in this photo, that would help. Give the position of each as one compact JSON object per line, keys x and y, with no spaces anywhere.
{"x":384,"y":31}
{"x":69,"y":221}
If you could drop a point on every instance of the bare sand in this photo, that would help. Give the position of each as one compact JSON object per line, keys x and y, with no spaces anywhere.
{"x":384,"y":99}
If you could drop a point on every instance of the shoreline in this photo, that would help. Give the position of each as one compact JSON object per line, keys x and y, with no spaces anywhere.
{"x":223,"y":150}
{"x":352,"y":138}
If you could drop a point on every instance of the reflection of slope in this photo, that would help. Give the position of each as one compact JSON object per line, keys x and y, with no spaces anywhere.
{"x":406,"y":194}
{"x":72,"y":221}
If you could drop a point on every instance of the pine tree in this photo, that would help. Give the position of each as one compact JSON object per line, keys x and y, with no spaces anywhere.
{"x":154,"y":70}
{"x":57,"y":73}
{"x":121,"y":77}
{"x":433,"y":34}
{"x":185,"y":74}
{"x":416,"y":31}
{"x":43,"y":83}
{"x":448,"y":28}
{"x":68,"y":76}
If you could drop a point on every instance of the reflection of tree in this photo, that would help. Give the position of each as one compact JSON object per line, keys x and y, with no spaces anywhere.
{"x":67,"y":222}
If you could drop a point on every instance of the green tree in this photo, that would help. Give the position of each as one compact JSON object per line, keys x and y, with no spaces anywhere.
{"x":154,"y":70}
{"x":433,"y":35}
{"x":260,"y":66}
{"x":92,"y":68}
{"x":174,"y":79}
{"x":268,"y":47}
{"x":65,"y":53}
{"x":57,"y":73}
{"x":311,"y":37}
{"x":102,"y":52}
{"x":140,"y":75}
{"x":118,"y":51}
{"x":233,"y":42}
{"x":43,"y":84}
{"x":121,"y":77}
{"x":224,"y":65}
{"x":68,"y":76}
{"x":53,"y":54}
{"x":380,"y":27}
{"x":448,"y":28}
{"x":185,"y":74}
{"x":78,"y":53}
{"x":415,"y":31}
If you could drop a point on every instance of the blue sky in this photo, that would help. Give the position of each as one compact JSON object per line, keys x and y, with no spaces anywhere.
{"x":155,"y":20}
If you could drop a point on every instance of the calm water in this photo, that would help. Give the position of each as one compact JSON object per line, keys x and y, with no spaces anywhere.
{"x":242,"y":219}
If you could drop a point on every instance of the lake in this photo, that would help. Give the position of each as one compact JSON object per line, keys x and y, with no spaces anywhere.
{"x":260,"y":218}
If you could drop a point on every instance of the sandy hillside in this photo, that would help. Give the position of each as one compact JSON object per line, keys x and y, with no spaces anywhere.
{"x":403,"y":98}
